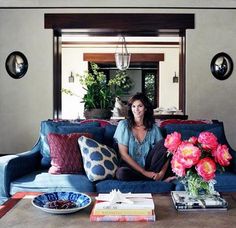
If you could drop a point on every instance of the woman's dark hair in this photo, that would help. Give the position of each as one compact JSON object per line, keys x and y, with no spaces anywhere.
{"x":148,"y":119}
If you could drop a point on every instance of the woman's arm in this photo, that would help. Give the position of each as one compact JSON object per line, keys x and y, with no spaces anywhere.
{"x":161,"y":174}
{"x":128,"y":159}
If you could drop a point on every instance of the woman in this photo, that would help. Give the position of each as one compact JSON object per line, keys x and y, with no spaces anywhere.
{"x":140,"y":143}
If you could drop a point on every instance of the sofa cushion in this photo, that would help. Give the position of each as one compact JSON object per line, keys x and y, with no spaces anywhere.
{"x":65,"y":127}
{"x":108,"y":136}
{"x":42,"y":181}
{"x":187,"y":130}
{"x":65,"y":153}
{"x":100,"y":161}
{"x":225,"y":182}
{"x":106,"y":186}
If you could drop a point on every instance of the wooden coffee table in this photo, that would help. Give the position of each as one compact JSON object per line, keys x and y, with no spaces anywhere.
{"x":19,"y":212}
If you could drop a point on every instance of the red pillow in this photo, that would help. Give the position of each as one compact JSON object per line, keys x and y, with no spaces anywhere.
{"x":65,"y":153}
{"x":178,"y":121}
{"x":102,"y":122}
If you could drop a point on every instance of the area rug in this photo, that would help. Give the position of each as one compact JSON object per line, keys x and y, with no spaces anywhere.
{"x":3,"y":200}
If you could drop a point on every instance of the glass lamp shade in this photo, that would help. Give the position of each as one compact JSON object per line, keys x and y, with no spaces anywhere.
{"x":122,"y":60}
{"x":122,"y":56}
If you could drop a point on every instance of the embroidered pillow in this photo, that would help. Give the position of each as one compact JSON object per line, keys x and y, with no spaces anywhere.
{"x":100,"y":162}
{"x":65,"y":153}
{"x":63,"y":127}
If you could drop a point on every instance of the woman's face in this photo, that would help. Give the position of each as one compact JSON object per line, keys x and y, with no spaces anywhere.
{"x":138,"y":109}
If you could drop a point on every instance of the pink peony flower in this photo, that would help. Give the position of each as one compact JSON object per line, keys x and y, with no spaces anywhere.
{"x":222,"y":155}
{"x":177,"y":167}
{"x":206,"y":168}
{"x":188,"y":154}
{"x":193,"y":140}
{"x":201,"y":156}
{"x":172,"y":141}
{"x":208,"y":140}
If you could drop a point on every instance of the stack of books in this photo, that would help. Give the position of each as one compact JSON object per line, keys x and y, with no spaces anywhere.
{"x":183,"y":202}
{"x":141,"y":209}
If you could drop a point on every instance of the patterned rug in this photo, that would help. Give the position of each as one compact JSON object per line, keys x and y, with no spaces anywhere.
{"x":3,"y":200}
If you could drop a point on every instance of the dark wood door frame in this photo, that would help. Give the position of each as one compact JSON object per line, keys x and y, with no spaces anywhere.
{"x":115,"y":25}
{"x":135,"y":57}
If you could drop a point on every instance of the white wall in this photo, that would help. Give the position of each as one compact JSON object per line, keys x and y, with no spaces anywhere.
{"x":25,"y":102}
{"x":208,"y":97}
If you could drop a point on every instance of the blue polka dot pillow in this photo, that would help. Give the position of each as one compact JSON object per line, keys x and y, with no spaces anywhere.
{"x":99,"y":161}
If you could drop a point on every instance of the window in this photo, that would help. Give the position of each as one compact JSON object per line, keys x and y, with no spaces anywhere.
{"x":150,"y":85}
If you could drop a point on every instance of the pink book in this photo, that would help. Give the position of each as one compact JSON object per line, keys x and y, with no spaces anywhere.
{"x":122,"y":218}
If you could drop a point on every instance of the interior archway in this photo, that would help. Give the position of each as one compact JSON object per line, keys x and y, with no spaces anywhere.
{"x":114,"y":25}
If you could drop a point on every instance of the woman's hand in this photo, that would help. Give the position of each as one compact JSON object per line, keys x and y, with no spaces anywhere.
{"x":160,"y":175}
{"x":149,"y":174}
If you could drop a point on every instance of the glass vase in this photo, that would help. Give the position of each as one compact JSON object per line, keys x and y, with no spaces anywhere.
{"x":196,"y":187}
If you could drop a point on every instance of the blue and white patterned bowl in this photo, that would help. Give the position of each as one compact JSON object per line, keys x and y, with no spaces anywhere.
{"x":80,"y":199}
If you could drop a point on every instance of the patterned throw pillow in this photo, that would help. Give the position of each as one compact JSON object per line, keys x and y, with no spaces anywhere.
{"x":100,"y":162}
{"x":64,"y":127}
{"x":65,"y":153}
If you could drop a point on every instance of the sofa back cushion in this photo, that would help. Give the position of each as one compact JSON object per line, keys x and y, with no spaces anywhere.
{"x":65,"y":127}
{"x":65,"y":153}
{"x":108,"y":136}
{"x":188,"y":130}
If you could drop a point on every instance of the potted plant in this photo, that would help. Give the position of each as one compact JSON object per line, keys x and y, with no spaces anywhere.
{"x":100,"y":92}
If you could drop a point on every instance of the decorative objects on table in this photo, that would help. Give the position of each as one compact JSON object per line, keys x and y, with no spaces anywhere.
{"x":122,"y":56}
{"x":16,"y":65}
{"x":123,"y":207}
{"x":120,"y":109}
{"x":196,"y":160}
{"x":183,"y":202}
{"x":61,"y":202}
{"x":221,"y":66}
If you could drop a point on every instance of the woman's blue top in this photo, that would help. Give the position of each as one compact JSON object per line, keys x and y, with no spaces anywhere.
{"x":137,"y":150}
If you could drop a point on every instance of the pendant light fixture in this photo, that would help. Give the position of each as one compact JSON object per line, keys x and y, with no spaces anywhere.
{"x":122,"y":56}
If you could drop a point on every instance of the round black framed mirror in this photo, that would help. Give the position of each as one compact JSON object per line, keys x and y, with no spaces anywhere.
{"x":221,"y":66}
{"x":16,"y":64}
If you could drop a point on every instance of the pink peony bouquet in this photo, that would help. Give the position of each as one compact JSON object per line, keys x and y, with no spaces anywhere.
{"x":196,"y":160}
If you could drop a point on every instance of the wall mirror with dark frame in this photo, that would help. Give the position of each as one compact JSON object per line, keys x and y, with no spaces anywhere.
{"x":221,"y":66}
{"x":16,"y":64}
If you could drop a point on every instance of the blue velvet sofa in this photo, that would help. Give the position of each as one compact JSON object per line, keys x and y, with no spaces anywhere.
{"x":28,"y":171}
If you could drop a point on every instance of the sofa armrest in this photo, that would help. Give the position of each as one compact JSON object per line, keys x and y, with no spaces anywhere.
{"x":14,"y":166}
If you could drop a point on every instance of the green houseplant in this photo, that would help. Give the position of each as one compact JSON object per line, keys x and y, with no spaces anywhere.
{"x":100,"y":92}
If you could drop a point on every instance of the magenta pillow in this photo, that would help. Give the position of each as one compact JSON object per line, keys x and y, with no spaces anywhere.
{"x":65,"y":153}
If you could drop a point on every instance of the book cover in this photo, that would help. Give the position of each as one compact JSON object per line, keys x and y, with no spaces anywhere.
{"x":122,"y":218}
{"x":183,"y":202}
{"x":123,"y":211}
{"x":138,"y":203}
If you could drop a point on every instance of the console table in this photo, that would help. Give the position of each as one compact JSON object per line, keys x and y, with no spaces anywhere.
{"x":19,"y":212}
{"x":170,"y":116}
